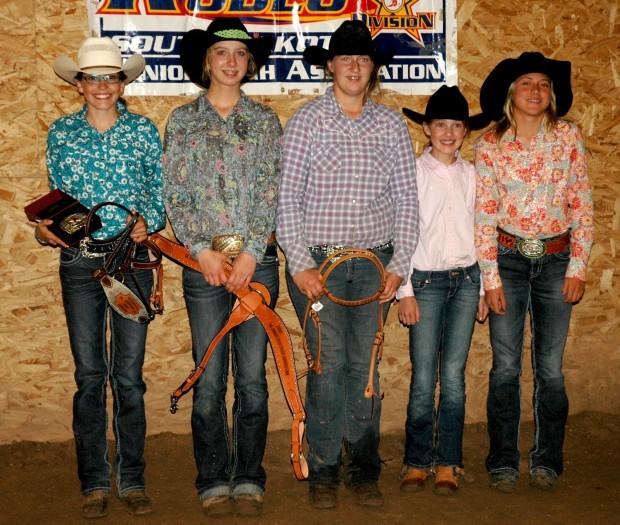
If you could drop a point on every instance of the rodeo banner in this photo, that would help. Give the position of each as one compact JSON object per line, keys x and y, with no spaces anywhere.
{"x":420,"y":33}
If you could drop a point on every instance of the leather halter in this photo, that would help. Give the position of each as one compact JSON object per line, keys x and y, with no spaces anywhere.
{"x":252,"y":301}
{"x":326,"y":268}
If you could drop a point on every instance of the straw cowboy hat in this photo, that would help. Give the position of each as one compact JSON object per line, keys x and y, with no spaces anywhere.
{"x":351,"y":38}
{"x":448,"y":103}
{"x":196,"y":42}
{"x":99,"y":56}
{"x":495,"y":88}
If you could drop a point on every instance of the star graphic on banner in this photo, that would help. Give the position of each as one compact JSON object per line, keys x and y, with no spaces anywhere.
{"x":399,"y":14}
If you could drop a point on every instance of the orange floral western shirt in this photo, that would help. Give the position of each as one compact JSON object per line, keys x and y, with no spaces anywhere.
{"x":533,"y":193}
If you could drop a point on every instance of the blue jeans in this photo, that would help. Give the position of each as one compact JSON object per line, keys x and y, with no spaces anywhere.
{"x":448,"y":301}
{"x":86,"y":309}
{"x":337,"y":412}
{"x":533,"y":285}
{"x":229,"y":467}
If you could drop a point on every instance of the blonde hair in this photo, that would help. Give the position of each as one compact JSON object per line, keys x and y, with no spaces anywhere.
{"x":251,"y":72}
{"x":508,"y":120}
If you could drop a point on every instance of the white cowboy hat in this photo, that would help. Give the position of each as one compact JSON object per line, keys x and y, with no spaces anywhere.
{"x":99,"y":56}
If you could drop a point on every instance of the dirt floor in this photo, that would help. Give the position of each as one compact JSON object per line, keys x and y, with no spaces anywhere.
{"x":39,"y":485}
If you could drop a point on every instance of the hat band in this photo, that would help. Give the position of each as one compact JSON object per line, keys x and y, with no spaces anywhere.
{"x":232,"y":34}
{"x":446,"y":115}
{"x":353,"y":48}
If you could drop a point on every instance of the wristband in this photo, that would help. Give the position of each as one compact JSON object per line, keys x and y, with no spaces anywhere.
{"x":39,"y":240}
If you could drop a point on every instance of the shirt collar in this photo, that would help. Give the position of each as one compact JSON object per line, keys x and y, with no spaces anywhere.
{"x":333,"y":109}
{"x":541,"y":135}
{"x":120,"y":107}
{"x":205,"y":105}
{"x":434,"y":164}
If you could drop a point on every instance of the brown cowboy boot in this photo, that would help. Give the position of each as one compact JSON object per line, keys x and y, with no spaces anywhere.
{"x":368,"y":495}
{"x":218,"y":506}
{"x":248,"y":504}
{"x":137,"y":502}
{"x":95,"y":504}
{"x":323,"y":497}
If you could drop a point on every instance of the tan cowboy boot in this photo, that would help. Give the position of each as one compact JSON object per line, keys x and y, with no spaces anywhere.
{"x":446,"y":482}
{"x":412,"y":479}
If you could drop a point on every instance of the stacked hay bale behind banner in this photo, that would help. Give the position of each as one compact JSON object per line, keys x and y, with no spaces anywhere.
{"x":36,"y":369}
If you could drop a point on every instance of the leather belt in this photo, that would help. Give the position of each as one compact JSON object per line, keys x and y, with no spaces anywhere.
{"x":534,"y":248}
{"x":329,"y":249}
{"x":90,"y":249}
{"x":252,"y":301}
{"x":272,"y":250}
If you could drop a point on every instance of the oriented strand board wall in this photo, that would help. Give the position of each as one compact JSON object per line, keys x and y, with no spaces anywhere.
{"x":36,"y":382}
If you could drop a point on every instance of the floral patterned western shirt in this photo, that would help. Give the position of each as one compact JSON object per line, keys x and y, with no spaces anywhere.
{"x":533,"y":192}
{"x":221,"y":175}
{"x":122,"y":165}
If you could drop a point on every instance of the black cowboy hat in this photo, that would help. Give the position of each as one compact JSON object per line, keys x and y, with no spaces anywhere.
{"x":195,"y":43}
{"x":448,"y":103}
{"x":495,"y":88}
{"x":351,"y":38}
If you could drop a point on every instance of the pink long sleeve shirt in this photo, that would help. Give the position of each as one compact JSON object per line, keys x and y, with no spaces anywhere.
{"x":447,"y":197}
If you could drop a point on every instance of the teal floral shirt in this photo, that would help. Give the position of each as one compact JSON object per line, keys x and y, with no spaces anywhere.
{"x":221,"y":175}
{"x":122,"y":165}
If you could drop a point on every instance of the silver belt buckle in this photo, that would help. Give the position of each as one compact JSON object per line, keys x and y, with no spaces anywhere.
{"x":532,"y":248}
{"x":328,"y":250}
{"x":331,"y":250}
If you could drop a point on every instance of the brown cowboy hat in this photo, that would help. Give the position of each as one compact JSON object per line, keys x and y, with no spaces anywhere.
{"x":351,"y":38}
{"x":495,"y":88}
{"x":448,"y":103}
{"x":195,"y":43}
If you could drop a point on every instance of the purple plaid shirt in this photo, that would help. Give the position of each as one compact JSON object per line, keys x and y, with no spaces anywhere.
{"x":346,"y":181}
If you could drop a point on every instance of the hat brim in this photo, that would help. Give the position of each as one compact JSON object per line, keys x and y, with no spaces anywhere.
{"x":319,"y":56}
{"x":479,"y":121}
{"x":67,"y":69}
{"x":495,"y":88}
{"x":474,"y":122}
{"x":416,"y":117}
{"x":194,"y":46}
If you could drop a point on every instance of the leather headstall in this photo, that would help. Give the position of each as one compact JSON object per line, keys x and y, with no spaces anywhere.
{"x":252,"y":301}
{"x":325,"y":269}
{"x":122,"y":262}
